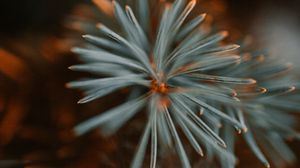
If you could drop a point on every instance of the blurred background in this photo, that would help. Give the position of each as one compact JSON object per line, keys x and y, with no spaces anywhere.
{"x":37,"y":112}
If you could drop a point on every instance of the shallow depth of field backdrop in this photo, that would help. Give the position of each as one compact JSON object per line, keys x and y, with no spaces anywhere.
{"x":37,"y":112}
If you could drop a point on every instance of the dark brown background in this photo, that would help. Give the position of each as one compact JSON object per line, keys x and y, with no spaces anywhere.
{"x":37,"y":112}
